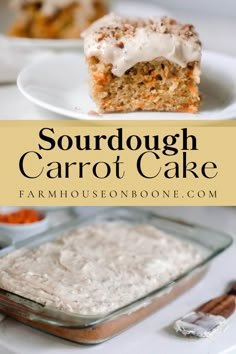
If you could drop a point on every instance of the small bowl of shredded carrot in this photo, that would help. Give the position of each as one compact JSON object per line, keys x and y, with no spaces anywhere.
{"x":20,"y":223}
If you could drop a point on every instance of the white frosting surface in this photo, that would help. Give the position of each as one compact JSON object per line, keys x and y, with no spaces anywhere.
{"x":97,"y":269}
{"x":147,"y":42}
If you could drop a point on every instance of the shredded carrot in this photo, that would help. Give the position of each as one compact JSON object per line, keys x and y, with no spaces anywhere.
{"x":193,"y":89}
{"x":189,"y":109}
{"x":23,"y":216}
{"x":192,"y":109}
{"x":101,"y":79}
{"x":140,"y":105}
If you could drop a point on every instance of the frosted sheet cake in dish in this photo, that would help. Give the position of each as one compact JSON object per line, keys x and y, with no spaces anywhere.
{"x":93,"y":278}
{"x":98,"y":269}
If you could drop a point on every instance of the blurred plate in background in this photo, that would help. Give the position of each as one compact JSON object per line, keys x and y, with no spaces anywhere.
{"x":122,"y":7}
{"x":15,"y":53}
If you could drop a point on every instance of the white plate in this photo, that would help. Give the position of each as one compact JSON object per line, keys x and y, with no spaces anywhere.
{"x":59,"y":83}
{"x":122,"y":7}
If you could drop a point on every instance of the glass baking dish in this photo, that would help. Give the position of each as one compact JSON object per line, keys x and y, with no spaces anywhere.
{"x":96,"y":329}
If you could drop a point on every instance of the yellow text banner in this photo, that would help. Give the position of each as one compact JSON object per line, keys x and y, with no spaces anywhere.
{"x":67,"y":163}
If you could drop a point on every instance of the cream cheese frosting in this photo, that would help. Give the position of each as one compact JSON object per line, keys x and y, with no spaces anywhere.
{"x":50,"y":7}
{"x":123,"y":42}
{"x":98,"y":268}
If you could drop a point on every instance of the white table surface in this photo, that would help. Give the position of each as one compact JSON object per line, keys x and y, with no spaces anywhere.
{"x":154,"y":335}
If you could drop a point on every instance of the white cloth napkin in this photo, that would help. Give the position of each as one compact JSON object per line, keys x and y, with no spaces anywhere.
{"x":13,"y":58}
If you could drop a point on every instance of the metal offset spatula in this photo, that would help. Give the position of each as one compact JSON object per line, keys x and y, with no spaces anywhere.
{"x":208,"y":318}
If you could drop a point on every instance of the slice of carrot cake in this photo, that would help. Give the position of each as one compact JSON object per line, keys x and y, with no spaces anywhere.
{"x":148,"y":65}
{"x":54,"y":19}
